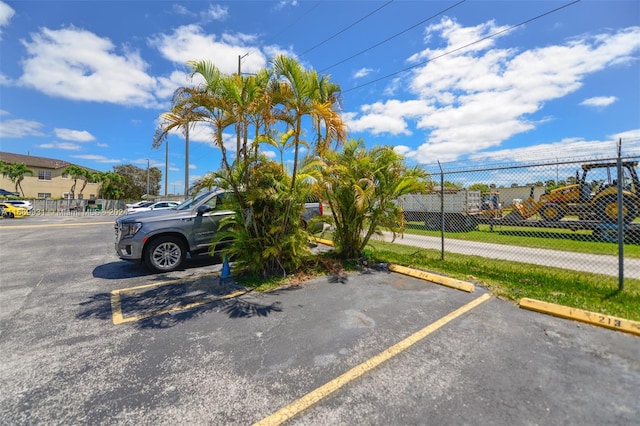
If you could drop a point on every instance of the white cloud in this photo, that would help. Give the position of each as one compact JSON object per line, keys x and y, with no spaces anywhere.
{"x":215,"y":12}
{"x":555,"y":150}
{"x":599,"y":101}
{"x":6,"y":13}
{"x":181,"y":10}
{"x":627,"y":135}
{"x":191,"y":43}
{"x":74,"y":135}
{"x":142,"y":163}
{"x":67,"y":146}
{"x":269,"y":154}
{"x":5,"y":81}
{"x":77,"y":64}
{"x":102,"y":145}
{"x":284,"y":3}
{"x":477,"y":98}
{"x":98,"y":158}
{"x":389,"y":117}
{"x":168,"y":85}
{"x":20,"y":128}
{"x":401,"y":149}
{"x":362,"y":72}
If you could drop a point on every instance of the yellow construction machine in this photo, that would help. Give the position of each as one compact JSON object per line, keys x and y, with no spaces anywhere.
{"x":595,"y":200}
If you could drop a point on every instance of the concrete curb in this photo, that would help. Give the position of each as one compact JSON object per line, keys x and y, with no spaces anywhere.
{"x":323,"y":241}
{"x":438,"y":279}
{"x":588,"y":317}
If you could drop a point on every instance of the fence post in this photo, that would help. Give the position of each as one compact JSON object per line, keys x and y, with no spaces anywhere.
{"x":621,"y":224}
{"x":441,"y":211}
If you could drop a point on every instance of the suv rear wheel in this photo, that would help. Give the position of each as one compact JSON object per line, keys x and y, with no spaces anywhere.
{"x":165,"y":254}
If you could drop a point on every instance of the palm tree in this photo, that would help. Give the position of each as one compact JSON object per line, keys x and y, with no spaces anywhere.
{"x":88,"y":176}
{"x":15,"y":172}
{"x":298,"y":92}
{"x":267,"y":197}
{"x":75,"y":173}
{"x":360,"y":187}
{"x":281,"y":142}
{"x":328,"y":95}
{"x":206,"y":103}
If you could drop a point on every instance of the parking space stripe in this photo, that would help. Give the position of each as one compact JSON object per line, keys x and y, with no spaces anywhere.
{"x":118,"y":317}
{"x":325,"y":390}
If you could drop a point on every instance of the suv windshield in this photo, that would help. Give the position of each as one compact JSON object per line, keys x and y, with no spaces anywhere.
{"x":189,"y":203}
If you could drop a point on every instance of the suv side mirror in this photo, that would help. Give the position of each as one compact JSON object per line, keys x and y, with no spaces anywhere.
{"x":203,"y":209}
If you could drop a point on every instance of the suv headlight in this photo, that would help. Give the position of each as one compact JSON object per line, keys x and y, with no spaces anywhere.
{"x":129,"y":229}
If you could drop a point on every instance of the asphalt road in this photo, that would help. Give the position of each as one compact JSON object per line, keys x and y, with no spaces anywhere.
{"x":374,"y":347}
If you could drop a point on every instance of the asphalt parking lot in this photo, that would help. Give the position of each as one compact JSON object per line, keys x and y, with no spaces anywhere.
{"x":88,"y":339}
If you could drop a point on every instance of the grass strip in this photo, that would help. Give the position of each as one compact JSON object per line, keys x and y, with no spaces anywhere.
{"x":546,"y":238}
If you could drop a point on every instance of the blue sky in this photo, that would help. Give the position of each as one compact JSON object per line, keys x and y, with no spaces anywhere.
{"x":456,"y":81}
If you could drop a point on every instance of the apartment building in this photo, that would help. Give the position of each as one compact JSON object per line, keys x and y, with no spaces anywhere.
{"x":49,"y":179}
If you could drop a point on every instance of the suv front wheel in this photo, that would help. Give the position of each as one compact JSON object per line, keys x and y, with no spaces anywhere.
{"x":165,"y":254}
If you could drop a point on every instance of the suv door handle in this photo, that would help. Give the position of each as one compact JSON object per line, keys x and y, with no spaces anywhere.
{"x":186,"y":219}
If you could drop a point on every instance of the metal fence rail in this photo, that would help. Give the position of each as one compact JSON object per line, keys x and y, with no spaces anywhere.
{"x":578,"y":214}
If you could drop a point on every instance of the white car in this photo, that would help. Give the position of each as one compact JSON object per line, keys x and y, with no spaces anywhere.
{"x":19,"y":203}
{"x":132,"y":208}
{"x":160,"y":205}
{"x":136,"y":205}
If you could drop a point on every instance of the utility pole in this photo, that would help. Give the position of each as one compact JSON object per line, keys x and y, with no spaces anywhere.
{"x":147,"y":197}
{"x":240,"y":57}
{"x":166,"y":168}
{"x":186,"y":162}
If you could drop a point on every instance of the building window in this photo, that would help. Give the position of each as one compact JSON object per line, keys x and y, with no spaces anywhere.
{"x":80,"y":196}
{"x":44,"y":195}
{"x":67,"y":195}
{"x":44,"y":175}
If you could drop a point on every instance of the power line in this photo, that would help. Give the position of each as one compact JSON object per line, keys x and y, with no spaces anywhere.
{"x":463,"y":47}
{"x":392,"y":37}
{"x":284,"y":30}
{"x":348,"y":27}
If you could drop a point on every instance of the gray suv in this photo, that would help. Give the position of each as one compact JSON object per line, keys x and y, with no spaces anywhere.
{"x":162,"y":238}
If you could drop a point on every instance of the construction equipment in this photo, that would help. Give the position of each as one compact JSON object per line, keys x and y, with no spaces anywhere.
{"x":596,"y":200}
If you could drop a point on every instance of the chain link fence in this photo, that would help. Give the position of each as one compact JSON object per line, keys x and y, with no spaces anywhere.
{"x":578,"y":214}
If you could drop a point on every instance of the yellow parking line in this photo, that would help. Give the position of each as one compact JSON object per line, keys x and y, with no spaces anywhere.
{"x":55,"y":225}
{"x":325,"y":390}
{"x":116,"y":301}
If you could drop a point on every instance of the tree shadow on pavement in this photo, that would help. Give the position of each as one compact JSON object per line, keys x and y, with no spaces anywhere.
{"x":167,"y":305}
